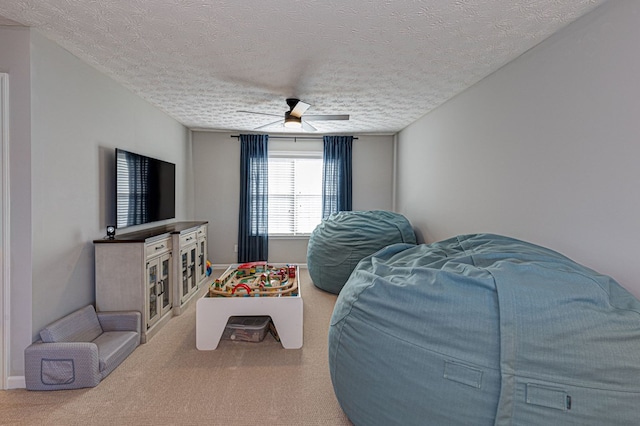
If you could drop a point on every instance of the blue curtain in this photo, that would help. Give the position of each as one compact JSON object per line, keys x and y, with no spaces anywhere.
{"x":253,"y":238}
{"x":336,"y":175}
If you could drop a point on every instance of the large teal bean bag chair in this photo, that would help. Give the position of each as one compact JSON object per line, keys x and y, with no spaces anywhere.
{"x":339,"y":242}
{"x":484,"y":330}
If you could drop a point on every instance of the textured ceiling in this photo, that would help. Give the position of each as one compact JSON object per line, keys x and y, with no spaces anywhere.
{"x":386,"y":63}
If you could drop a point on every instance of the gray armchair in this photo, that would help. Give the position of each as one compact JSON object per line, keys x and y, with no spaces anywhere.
{"x":81,"y":349}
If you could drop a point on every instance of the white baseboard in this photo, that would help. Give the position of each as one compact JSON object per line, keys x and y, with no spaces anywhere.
{"x":16,"y":382}
{"x":220,"y":265}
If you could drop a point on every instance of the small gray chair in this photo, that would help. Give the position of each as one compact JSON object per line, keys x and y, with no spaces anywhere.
{"x":81,"y":349}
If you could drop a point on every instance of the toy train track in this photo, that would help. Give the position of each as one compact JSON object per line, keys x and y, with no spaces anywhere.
{"x":256,"y":279}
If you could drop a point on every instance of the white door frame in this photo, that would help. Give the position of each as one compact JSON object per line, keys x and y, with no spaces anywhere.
{"x":5,"y":231}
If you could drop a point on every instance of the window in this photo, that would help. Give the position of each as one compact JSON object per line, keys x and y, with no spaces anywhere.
{"x":295,"y":192}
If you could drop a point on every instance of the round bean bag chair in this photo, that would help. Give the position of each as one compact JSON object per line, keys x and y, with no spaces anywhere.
{"x":484,"y":330}
{"x":338,"y":243}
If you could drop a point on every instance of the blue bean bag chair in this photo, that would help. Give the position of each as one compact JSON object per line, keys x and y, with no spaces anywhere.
{"x":484,"y":330}
{"x":338,"y":243}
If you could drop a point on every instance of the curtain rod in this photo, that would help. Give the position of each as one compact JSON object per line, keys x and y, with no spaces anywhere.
{"x":291,"y":137}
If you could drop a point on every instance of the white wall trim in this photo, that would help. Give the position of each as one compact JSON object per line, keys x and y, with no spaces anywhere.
{"x":394,"y":174}
{"x":16,"y":382}
{"x":6,"y":232}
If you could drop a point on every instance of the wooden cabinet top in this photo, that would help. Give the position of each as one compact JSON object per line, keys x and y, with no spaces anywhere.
{"x":154,"y":233}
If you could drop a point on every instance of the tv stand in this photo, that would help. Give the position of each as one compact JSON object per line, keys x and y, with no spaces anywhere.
{"x":156,"y":271}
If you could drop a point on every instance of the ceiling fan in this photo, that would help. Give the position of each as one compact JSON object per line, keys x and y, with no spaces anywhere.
{"x":294,"y":118}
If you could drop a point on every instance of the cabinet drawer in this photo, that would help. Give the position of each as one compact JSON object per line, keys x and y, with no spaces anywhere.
{"x":201,"y":232}
{"x":158,"y":247}
{"x":187,"y":239}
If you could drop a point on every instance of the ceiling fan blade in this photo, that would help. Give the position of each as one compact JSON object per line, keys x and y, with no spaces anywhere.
{"x":268,"y":125}
{"x":261,"y":113}
{"x":326,"y":117}
{"x":299,"y":109}
{"x":308,"y":127}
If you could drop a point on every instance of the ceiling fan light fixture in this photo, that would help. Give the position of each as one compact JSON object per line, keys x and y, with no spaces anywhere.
{"x":292,"y":122}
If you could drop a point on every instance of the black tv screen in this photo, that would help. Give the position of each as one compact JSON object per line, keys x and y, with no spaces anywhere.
{"x":145,"y":189}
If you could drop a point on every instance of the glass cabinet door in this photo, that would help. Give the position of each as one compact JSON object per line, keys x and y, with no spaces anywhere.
{"x":184,"y":259}
{"x":165,"y":263}
{"x":152,"y":289}
{"x":201,"y":262}
{"x":192,"y":267}
{"x":202,"y":259}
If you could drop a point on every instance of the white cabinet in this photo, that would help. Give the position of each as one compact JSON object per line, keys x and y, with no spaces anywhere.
{"x":190,"y":264}
{"x":136,"y":276}
{"x":158,"y":288}
{"x":155,"y":272}
{"x":188,"y":248}
{"x":201,"y":235}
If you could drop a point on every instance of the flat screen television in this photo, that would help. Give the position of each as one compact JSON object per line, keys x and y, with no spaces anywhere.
{"x":145,"y":189}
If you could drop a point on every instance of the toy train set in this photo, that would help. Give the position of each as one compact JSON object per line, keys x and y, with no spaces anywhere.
{"x":256,"y":279}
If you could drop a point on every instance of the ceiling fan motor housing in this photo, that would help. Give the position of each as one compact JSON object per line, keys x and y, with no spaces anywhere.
{"x":292,"y":121}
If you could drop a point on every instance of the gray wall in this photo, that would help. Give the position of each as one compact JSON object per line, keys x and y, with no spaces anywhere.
{"x":78,"y":117}
{"x":217,"y":182}
{"x":15,"y":60}
{"x":546,"y":149}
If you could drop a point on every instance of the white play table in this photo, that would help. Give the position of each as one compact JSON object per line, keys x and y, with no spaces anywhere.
{"x":212,"y":314}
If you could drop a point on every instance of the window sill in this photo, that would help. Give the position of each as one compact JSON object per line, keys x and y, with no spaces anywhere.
{"x":289,"y":237}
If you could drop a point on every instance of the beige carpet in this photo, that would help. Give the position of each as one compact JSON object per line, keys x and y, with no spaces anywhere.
{"x":167,"y":381}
